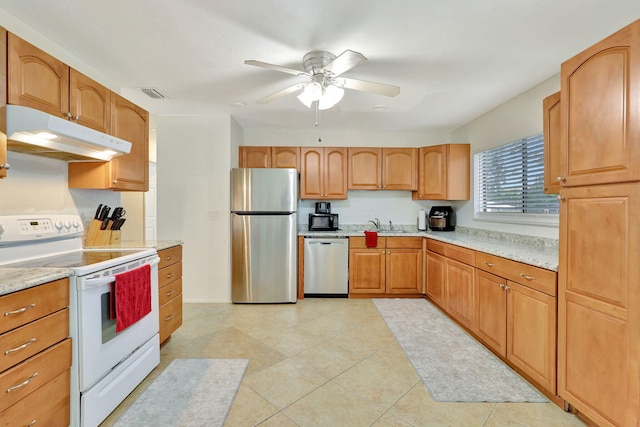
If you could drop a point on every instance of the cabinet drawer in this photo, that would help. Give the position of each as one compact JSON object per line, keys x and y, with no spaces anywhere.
{"x":360,"y":243}
{"x":20,"y":308}
{"x":30,"y":375}
{"x":170,"y":291}
{"x":169,"y":274}
{"x":404,"y":242}
{"x":170,"y":256}
{"x":458,"y":253}
{"x":25,"y":341}
{"x":47,"y":406}
{"x":170,"y":317}
{"x":528,"y":275}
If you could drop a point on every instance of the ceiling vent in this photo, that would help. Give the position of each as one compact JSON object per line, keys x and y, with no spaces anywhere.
{"x":152,"y":93}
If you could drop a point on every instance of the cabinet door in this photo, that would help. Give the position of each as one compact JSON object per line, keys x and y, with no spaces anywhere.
{"x":600,"y":109}
{"x":531,"y":333}
{"x":400,"y":169}
{"x":311,"y":173}
{"x":89,"y":102}
{"x":552,"y":155}
{"x":367,"y":271}
{"x":254,"y":157}
{"x":437,"y":278}
{"x":36,"y":79}
{"x":432,"y":184}
{"x":599,"y":302}
{"x":460,"y":293}
{"x":285,"y":157}
{"x":335,"y":173}
{"x":365,"y":168}
{"x":131,"y":123}
{"x":491,"y":311}
{"x":404,"y":271}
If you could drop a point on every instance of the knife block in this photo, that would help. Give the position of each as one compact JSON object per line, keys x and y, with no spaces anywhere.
{"x":115,"y":236}
{"x":97,"y":237}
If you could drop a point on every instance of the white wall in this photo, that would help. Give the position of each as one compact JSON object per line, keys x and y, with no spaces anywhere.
{"x":193,"y":200}
{"x":515,"y":119}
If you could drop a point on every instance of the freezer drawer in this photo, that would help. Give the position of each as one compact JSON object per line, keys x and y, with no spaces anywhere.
{"x":326,"y":266}
{"x":264,"y":257}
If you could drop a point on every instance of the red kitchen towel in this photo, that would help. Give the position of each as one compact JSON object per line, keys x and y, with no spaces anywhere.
{"x":371,"y":238}
{"x":131,"y":297}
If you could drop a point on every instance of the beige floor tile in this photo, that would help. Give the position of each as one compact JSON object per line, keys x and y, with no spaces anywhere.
{"x":531,"y":415}
{"x":257,"y":325}
{"x":388,"y":420}
{"x":201,"y":325}
{"x":392,"y":356}
{"x":329,"y":359}
{"x":332,"y":405}
{"x":291,"y":341}
{"x":278,"y":420}
{"x":325,"y":326}
{"x":376,"y":383}
{"x":284,"y":382}
{"x":179,"y":347}
{"x":417,"y":408}
{"x":249,"y":409}
{"x":362,"y":340}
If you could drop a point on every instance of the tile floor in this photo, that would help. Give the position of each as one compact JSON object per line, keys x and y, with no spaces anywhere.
{"x":326,"y":362}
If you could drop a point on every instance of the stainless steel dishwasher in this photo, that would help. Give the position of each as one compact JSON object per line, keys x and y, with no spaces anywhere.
{"x":326,"y":267}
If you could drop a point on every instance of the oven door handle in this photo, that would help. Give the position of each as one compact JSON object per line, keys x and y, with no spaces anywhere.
{"x":101,"y":281}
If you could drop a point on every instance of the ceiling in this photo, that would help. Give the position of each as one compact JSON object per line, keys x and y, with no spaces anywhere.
{"x":453,"y":60}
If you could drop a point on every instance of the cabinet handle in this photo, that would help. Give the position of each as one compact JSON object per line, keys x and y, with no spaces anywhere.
{"x":524,"y":276}
{"x":67,"y":114}
{"x":169,"y":317}
{"x":168,"y":258}
{"x":507,"y":288}
{"x":20,"y":310}
{"x":169,"y":276}
{"x":23,"y":383}
{"x":23,"y":346}
{"x":76,"y":117}
{"x":561,"y":179}
{"x":562,"y":199}
{"x":489,"y":264}
{"x":32,"y":423}
{"x":169,"y":293}
{"x":5,"y":166}
{"x":502,"y":285}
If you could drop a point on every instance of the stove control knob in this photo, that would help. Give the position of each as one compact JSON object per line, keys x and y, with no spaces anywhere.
{"x":59,"y":224}
{"x":76,"y":223}
{"x":67,"y":224}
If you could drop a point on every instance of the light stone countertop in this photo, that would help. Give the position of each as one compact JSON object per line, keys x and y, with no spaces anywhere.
{"x":538,"y":251}
{"x":16,"y":279}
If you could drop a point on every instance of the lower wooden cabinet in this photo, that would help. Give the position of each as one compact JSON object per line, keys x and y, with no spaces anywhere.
{"x":170,"y":290}
{"x":393,"y":267}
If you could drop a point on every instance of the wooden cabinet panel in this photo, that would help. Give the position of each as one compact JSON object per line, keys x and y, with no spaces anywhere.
{"x":367,"y":269}
{"x":170,"y":256}
{"x":460,"y":293}
{"x":254,"y":157}
{"x":437,"y":278}
{"x":170,"y":290}
{"x":365,"y":168}
{"x":404,"y":271}
{"x":552,"y":144}
{"x":491,"y":311}
{"x":323,"y":173}
{"x":600,"y":109}
{"x":534,"y":277}
{"x":599,"y":302}
{"x":89,"y":102}
{"x":170,"y":273}
{"x":444,"y":172}
{"x":400,"y":169}
{"x":36,"y":79}
{"x":531,"y":333}
{"x":285,"y":157}
{"x":170,"y":317}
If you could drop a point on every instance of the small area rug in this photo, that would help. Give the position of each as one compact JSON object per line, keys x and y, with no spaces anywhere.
{"x":189,"y":392}
{"x":453,"y":366}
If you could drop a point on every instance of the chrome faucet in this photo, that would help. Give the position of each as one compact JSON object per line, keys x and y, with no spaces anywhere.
{"x":390,"y":225}
{"x":376,"y":223}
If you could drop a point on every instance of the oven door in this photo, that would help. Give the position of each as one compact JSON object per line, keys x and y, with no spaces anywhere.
{"x":100,"y":349}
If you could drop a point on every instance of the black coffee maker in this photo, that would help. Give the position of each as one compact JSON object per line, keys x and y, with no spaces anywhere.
{"x":442,"y":218}
{"x":323,"y":207}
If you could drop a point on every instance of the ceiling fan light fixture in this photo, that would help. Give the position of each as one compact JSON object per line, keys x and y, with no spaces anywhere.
{"x":332,"y":95}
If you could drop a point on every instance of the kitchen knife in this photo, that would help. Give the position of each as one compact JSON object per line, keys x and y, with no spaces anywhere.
{"x":98,"y":212}
{"x":105,"y":213}
{"x":120,"y":223}
{"x":105,"y":224}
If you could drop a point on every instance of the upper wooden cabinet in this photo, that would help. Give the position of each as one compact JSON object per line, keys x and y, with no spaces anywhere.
{"x":444,"y":172}
{"x":124,"y":173}
{"x":89,"y":102}
{"x":268,"y":157}
{"x":383,"y":169}
{"x":323,"y":173}
{"x":552,"y":164}
{"x":600,"y":111}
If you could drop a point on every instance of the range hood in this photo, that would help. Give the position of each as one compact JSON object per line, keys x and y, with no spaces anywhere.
{"x":35,"y":132}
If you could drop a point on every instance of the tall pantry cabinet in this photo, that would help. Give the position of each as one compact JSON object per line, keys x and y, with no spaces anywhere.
{"x":599,"y":269}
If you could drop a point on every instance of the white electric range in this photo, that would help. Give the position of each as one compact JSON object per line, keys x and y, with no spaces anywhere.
{"x":106,"y":366}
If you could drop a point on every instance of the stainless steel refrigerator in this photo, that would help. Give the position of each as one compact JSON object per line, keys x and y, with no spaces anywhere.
{"x":264,"y":251}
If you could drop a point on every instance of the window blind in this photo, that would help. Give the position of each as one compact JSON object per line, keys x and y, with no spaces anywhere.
{"x":510,"y":179}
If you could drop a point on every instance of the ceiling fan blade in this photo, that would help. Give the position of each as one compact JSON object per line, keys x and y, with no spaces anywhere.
{"x":365,"y":86}
{"x":276,"y":67}
{"x":280,"y":93}
{"x":344,"y":62}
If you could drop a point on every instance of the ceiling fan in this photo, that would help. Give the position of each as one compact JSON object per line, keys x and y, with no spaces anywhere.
{"x":324,"y":82}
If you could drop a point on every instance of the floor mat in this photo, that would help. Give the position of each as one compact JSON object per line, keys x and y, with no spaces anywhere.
{"x":189,"y":392}
{"x":453,"y":366}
